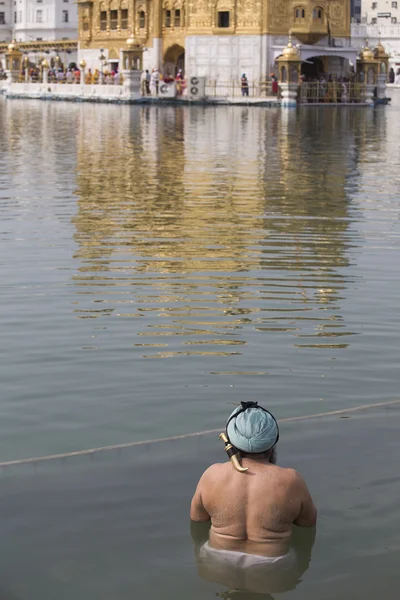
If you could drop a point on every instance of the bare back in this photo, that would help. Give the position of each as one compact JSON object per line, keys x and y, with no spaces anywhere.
{"x":252,"y":508}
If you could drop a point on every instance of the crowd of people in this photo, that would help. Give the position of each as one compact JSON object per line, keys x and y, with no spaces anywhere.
{"x":73,"y":75}
{"x":150,"y":82}
{"x":331,"y":88}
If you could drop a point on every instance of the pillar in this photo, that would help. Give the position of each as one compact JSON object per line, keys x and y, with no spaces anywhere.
{"x":381,"y":86}
{"x":45,"y":71}
{"x":13,"y":62}
{"x":369,"y":94}
{"x":289,"y":94}
{"x":132,"y":65}
{"x":367,"y":73}
{"x":82,"y":66}
{"x":131,"y":84}
{"x":289,"y":65}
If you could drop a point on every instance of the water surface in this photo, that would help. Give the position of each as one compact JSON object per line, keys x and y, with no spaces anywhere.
{"x":160,"y":264}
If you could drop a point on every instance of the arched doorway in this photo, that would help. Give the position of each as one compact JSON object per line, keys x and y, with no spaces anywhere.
{"x":313,"y":68}
{"x":174,"y":59}
{"x":113,"y":59}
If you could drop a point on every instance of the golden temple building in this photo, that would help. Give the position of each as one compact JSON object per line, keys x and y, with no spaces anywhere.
{"x":219,"y":39}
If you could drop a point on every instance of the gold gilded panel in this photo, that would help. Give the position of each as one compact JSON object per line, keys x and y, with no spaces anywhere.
{"x":279,"y":15}
{"x":275,"y":17}
{"x":200,"y":15}
{"x":249,"y":15}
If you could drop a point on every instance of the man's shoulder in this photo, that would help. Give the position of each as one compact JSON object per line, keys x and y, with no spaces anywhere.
{"x":286,"y":473}
{"x":215,"y":470}
{"x":290,"y":476}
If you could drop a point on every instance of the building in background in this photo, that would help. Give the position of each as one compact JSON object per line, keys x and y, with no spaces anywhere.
{"x":5,"y":20}
{"x":36,"y":20}
{"x":220,"y":39}
{"x":382,"y":13}
{"x":31,"y":22}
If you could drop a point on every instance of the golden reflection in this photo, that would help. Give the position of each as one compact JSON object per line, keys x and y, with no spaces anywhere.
{"x":173,"y":354}
{"x":206,"y":214}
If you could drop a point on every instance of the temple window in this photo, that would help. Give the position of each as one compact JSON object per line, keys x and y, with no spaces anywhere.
{"x":113,"y":19}
{"x":103,"y":20}
{"x":223,"y":18}
{"x":167,"y":18}
{"x":142,"y":19}
{"x":177,"y":18}
{"x":318,"y":13}
{"x":124,"y":18}
{"x":299,"y":12}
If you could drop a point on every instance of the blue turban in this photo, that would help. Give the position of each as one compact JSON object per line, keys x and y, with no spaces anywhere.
{"x":253,"y":430}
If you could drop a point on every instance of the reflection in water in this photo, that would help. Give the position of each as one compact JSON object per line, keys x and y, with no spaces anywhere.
{"x":207,"y":227}
{"x":205,"y":252}
{"x":249,"y":576}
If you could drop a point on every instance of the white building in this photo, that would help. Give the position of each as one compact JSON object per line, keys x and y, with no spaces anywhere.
{"x":44,"y":20}
{"x":31,"y":20}
{"x":5,"y":20}
{"x":380,"y":21}
{"x":380,"y":12}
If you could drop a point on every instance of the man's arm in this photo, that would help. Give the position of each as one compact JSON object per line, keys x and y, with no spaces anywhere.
{"x":308,"y":512}
{"x":197,"y":511}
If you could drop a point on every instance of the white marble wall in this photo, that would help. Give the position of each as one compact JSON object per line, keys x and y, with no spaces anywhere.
{"x":91,"y":57}
{"x":226,"y":57}
{"x":57,"y":91}
{"x":152,"y":56}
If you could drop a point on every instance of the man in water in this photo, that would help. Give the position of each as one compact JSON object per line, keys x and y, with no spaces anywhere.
{"x":252,"y":506}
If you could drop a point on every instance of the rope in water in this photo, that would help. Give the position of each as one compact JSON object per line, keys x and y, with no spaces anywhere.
{"x":38,"y":459}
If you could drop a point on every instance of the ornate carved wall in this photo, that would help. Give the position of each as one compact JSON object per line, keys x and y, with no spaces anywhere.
{"x":108,"y":23}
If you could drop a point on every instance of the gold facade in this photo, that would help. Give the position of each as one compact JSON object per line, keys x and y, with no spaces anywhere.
{"x":108,"y":23}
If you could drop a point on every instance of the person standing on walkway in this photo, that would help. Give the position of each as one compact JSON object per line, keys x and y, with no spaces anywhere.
{"x":274,"y":84}
{"x":147,"y":83}
{"x":143,"y":83}
{"x":244,"y":84}
{"x":154,"y":79}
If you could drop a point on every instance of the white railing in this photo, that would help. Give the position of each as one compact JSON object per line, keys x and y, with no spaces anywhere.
{"x":374,"y":31}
